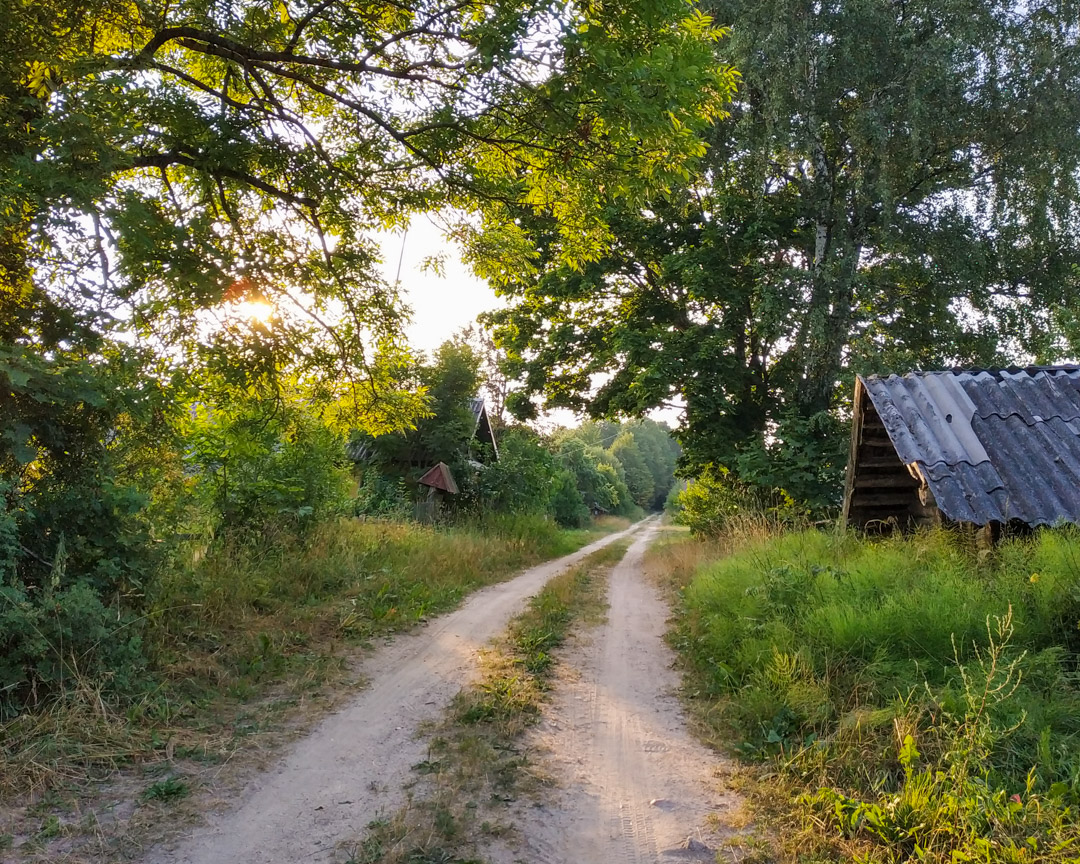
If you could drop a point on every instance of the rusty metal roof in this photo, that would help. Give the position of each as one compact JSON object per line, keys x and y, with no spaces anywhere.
{"x":439,"y":477}
{"x":993,"y":444}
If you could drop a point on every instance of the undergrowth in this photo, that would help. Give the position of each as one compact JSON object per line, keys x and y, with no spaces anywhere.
{"x":254,"y":627}
{"x":475,"y":766}
{"x":905,"y":699}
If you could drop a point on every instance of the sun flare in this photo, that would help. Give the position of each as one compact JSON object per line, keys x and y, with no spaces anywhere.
{"x":259,"y":311}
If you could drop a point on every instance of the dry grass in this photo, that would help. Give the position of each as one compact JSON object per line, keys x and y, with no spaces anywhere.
{"x":475,"y":764}
{"x":244,"y":646}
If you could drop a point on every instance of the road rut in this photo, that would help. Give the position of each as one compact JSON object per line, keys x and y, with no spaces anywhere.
{"x":634,"y":787}
{"x":351,"y":768}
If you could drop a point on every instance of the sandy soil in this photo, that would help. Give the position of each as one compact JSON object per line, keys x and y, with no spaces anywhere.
{"x":632,"y":785}
{"x":351,"y":768}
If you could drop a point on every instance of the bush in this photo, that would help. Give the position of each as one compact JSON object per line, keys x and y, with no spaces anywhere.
{"x":262,"y":462}
{"x":567,"y":504}
{"x":520,"y":481}
{"x":710,"y":502}
{"x":58,"y":637}
{"x":717,"y":503}
{"x":384,"y":497}
{"x":60,"y":616}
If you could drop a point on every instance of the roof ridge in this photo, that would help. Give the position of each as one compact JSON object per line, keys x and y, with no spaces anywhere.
{"x":994,"y":371}
{"x":998,"y":415}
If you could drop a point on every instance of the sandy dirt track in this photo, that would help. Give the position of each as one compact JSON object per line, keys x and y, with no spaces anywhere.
{"x":350,"y":769}
{"x":633,"y":786}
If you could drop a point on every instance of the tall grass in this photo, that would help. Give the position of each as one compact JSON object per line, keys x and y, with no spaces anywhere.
{"x":259,"y":617}
{"x":922,"y":681}
{"x":263,"y":603}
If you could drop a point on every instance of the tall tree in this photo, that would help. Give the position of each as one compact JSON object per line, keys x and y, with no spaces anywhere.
{"x":167,"y":163}
{"x":449,"y":383}
{"x":896,"y":186}
{"x":639,"y":479}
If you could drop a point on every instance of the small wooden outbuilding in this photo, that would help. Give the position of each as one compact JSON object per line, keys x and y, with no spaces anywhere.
{"x":439,"y":478}
{"x":439,"y":483}
{"x":981,"y":446}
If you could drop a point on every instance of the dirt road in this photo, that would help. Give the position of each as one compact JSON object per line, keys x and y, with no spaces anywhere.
{"x":633,"y":787}
{"x":351,"y":768}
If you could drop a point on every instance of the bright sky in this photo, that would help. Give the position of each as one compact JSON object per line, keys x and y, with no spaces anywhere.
{"x":442,"y":305}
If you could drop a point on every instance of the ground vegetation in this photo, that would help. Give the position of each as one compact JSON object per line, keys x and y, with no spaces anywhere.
{"x":904,"y":698}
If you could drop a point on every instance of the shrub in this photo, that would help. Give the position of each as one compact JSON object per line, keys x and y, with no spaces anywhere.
{"x":266,"y":461}
{"x":520,"y":481}
{"x":567,"y":504}
{"x":53,"y":638}
{"x":67,"y":617}
{"x":385,"y":497}
{"x":717,"y":503}
{"x":710,"y":502}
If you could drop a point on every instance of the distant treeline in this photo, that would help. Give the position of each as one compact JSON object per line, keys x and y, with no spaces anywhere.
{"x":599,"y":467}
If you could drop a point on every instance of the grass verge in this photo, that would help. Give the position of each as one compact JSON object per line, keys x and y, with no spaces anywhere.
{"x":475,"y":764}
{"x":243,"y":646}
{"x":895,"y":700}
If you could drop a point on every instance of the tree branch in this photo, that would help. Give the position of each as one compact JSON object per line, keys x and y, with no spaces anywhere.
{"x":172,"y":157}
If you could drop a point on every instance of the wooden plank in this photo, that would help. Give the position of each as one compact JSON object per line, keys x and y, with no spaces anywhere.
{"x":886,"y":481}
{"x":858,"y":409}
{"x":881,"y":462}
{"x":899,"y":498}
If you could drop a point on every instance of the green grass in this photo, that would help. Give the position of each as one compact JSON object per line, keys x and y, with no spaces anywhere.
{"x":905,"y":689}
{"x":253,"y":630}
{"x":476,"y":764}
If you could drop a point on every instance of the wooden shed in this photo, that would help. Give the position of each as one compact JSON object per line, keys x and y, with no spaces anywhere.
{"x":979,"y":446}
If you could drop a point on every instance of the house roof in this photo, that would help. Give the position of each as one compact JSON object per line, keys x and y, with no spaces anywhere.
{"x":992,"y":444}
{"x":482,"y":430}
{"x":362,"y":448}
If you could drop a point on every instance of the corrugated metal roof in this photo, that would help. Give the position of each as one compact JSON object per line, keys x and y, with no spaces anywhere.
{"x":993,"y":445}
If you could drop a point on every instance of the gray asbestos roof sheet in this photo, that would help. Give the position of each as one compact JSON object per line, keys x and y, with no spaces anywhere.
{"x":993,"y":445}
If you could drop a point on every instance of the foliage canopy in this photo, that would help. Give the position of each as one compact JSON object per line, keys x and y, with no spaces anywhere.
{"x":895,"y":187}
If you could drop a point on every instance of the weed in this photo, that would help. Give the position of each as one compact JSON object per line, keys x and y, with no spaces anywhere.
{"x":906,"y":698}
{"x":51,"y":827}
{"x":371,"y":851}
{"x":169,"y":789}
{"x":436,"y":856}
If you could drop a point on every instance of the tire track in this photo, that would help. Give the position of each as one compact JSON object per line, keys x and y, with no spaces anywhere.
{"x":350,"y":769}
{"x":634,"y":786}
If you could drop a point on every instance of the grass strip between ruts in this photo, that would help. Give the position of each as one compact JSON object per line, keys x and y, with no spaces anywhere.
{"x":475,"y":765}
